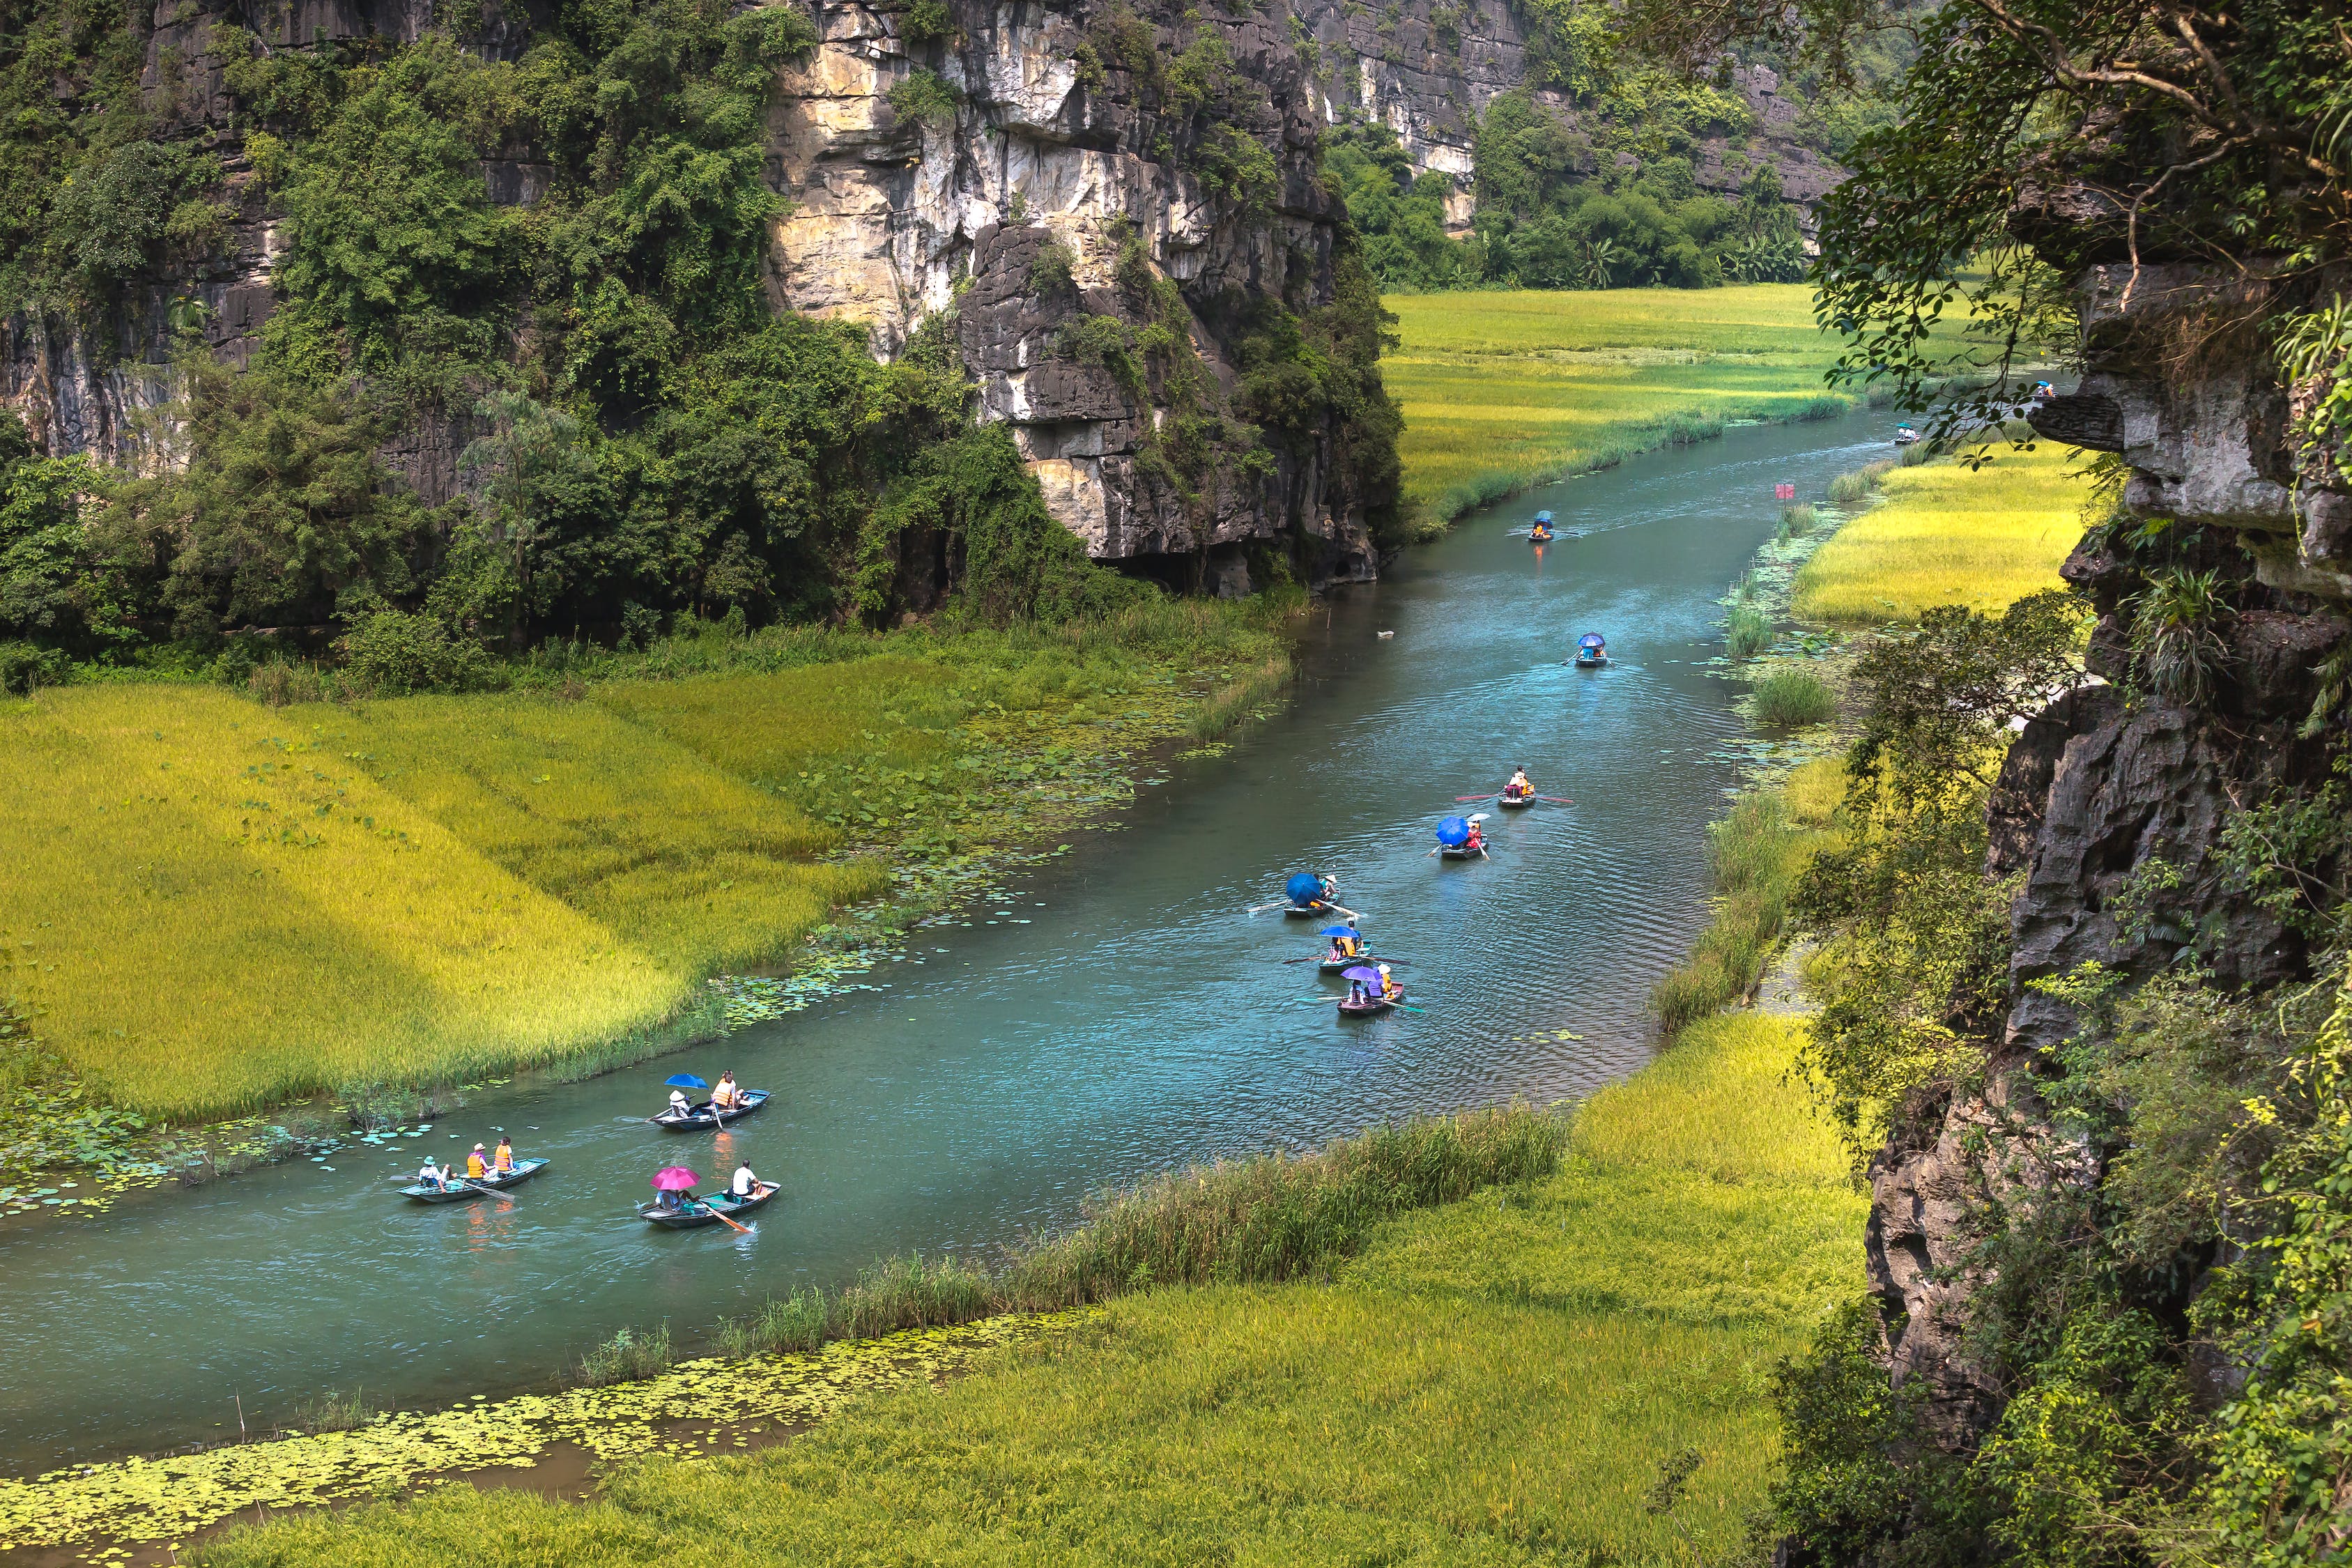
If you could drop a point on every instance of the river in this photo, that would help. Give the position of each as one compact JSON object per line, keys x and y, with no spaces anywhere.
{"x":1118,"y":1014}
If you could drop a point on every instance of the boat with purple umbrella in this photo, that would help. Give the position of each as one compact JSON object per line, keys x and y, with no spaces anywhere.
{"x":1370,"y":994}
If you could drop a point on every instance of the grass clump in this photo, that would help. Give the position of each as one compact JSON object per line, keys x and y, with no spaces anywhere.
{"x":1790,"y":698}
{"x":334,"y":1410}
{"x":1496,"y":1379}
{"x":629,"y":1354}
{"x":1946,"y":534}
{"x":1747,"y":630}
{"x":1754,"y":854}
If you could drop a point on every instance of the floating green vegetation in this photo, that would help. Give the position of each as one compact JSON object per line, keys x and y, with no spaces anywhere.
{"x":695,"y":1409}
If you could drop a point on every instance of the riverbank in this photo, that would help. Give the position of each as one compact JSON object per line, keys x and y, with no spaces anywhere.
{"x":1507,"y":1375}
{"x":356,"y":909}
{"x":1506,"y":391}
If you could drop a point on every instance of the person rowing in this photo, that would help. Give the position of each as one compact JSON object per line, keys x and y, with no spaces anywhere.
{"x":679,"y":1106}
{"x":1476,"y":844}
{"x":745,"y":1184}
{"x":1390,"y":989}
{"x":1520,"y":786}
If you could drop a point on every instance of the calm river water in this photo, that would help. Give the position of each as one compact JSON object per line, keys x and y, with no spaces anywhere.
{"x":1121,"y":1016}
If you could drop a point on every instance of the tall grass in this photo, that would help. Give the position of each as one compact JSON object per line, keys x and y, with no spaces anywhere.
{"x":1237,"y":700}
{"x":1747,"y":630}
{"x":1497,"y":1379}
{"x":1948,"y":535}
{"x":1504,"y":390}
{"x":1754,"y":854}
{"x":1269,"y":1217}
{"x":1790,"y":698}
{"x":629,"y":1354}
{"x":1858,"y":483}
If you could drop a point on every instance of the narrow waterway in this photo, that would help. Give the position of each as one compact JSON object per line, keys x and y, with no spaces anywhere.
{"x":1119,"y":1013}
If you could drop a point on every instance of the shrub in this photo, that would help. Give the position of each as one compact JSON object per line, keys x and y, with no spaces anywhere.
{"x":925,"y":95}
{"x":281,"y":682}
{"x":23,"y":666}
{"x":1792,"y":698}
{"x":1053,"y":268}
{"x":391,"y":653}
{"x":1856,"y":485}
{"x":1798,"y":521}
{"x":1746,"y":631}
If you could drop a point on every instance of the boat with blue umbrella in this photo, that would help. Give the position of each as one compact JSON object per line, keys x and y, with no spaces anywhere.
{"x":1337,"y":961}
{"x":1461,"y":838}
{"x":1540,"y":534}
{"x":1591,"y":651}
{"x":1306,"y":894}
{"x":692,"y":1116}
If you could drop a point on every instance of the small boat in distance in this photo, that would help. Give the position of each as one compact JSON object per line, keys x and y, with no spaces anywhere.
{"x":1905,"y":436}
{"x":1591,"y":651}
{"x":1540,"y":534}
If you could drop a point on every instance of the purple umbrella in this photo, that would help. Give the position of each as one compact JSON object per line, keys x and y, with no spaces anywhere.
{"x":1369,"y":975}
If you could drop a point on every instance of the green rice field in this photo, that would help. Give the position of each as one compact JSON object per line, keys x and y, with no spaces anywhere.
{"x":1505,"y":390}
{"x":1946,"y":534}
{"x":212,"y":906}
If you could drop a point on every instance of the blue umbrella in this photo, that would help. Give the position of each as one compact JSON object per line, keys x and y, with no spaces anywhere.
{"x":685,"y":1080}
{"x":1361,"y":972}
{"x":1304,"y":888}
{"x":1338,"y":930}
{"x":1543,"y":517}
{"x":1453,"y":832}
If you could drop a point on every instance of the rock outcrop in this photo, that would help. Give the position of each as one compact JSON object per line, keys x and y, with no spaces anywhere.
{"x":2110,"y":811}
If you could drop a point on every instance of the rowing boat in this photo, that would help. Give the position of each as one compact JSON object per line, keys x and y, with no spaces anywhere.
{"x":1302,"y":911}
{"x":463,"y":1187}
{"x":1369,"y":1005}
{"x":1460,"y":852}
{"x":1514,"y":802}
{"x":701,"y":1117}
{"x":1341,"y":965}
{"x":706,"y":1211}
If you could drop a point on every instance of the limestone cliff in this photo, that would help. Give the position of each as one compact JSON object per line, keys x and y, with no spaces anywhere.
{"x":2099,"y":789}
{"x":1032,"y":141}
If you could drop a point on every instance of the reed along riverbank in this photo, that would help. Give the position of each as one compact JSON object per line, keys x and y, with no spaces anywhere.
{"x":218,"y":905}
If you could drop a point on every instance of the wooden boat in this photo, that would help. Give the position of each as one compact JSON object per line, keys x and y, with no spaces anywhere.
{"x":1317,"y":908}
{"x":1591,"y":658}
{"x":1341,"y":965}
{"x":1369,"y":1006}
{"x":706,"y":1211}
{"x":1460,"y":852}
{"x":1541,"y":538}
{"x":461,"y":1188}
{"x":702,"y":1118}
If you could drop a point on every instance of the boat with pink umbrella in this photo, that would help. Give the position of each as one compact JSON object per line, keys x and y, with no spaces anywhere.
{"x":678,"y":1209}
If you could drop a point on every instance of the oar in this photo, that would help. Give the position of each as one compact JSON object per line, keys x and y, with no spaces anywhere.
{"x":722,"y":1219}
{"x":1556,"y":799}
{"x":1464,"y":799}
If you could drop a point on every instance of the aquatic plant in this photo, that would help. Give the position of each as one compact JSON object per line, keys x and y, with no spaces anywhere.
{"x":1746,"y":631}
{"x":629,"y":1355}
{"x":1790,"y":698}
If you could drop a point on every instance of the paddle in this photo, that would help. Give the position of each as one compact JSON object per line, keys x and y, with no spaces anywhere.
{"x":722,"y":1219}
{"x":1556,"y":799}
{"x":1462,"y":799}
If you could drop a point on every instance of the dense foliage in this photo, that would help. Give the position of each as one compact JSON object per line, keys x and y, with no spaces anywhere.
{"x":638,"y":434}
{"x":1599,"y":189}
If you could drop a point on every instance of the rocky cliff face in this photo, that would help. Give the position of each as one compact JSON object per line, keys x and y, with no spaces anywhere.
{"x":2097,"y":792}
{"x":1428,"y":68}
{"x":894,"y":215}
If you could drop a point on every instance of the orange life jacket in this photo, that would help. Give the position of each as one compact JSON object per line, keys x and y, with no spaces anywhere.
{"x":474,"y":1166}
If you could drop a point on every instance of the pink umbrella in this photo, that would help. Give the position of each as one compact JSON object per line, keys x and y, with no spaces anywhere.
{"x":677,"y":1179}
